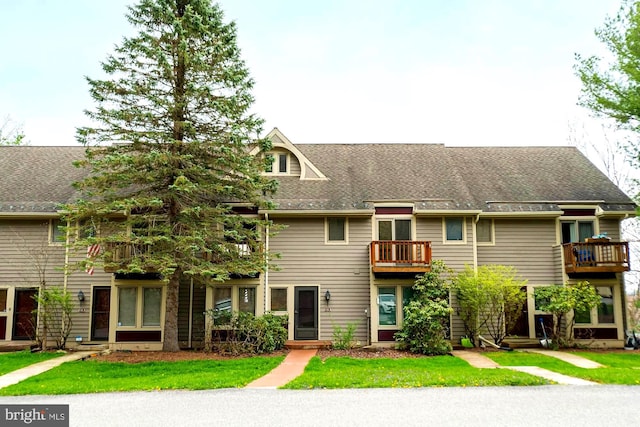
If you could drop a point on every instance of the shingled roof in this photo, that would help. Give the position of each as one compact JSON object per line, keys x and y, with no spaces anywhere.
{"x":37,"y":179}
{"x":431,"y":176}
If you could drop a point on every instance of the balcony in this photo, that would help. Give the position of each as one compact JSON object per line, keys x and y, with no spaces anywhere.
{"x":596,"y":256}
{"x":400,"y":256}
{"x":122,"y":253}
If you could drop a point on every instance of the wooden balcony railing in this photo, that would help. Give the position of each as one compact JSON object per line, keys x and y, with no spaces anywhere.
{"x":596,"y":257}
{"x":121,"y":253}
{"x":401,"y":256}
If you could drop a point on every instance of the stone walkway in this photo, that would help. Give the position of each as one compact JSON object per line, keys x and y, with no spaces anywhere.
{"x":37,"y":368}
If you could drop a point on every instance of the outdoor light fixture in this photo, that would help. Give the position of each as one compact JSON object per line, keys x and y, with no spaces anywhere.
{"x":327,"y":296}
{"x":80,"y":296}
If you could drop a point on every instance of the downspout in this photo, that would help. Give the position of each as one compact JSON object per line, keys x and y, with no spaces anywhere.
{"x":190,"y":313}
{"x":475,"y":243}
{"x":266,"y":261}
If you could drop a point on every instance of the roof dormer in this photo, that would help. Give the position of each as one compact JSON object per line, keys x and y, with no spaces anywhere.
{"x":288,"y":160}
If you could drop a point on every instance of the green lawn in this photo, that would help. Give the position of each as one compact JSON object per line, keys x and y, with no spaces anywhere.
{"x":12,"y":361}
{"x":439,"y":371}
{"x":93,"y":376}
{"x":620,"y":368}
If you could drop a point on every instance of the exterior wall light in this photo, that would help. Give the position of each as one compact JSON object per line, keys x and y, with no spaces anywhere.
{"x":327,"y":296}
{"x":80,"y":296}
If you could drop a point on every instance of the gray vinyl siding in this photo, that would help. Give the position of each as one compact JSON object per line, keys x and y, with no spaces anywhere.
{"x":24,"y":249}
{"x":343,"y":269}
{"x":527,"y":245}
{"x":454,"y":255}
{"x":77,"y":281}
{"x":611,"y":227}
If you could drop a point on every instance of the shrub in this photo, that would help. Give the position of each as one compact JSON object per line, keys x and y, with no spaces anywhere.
{"x":490,"y":298}
{"x":343,"y":337}
{"x":560,"y":301}
{"x":426,"y":317}
{"x":249,"y":334}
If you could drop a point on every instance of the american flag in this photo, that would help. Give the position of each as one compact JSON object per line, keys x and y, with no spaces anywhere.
{"x":92,"y":252}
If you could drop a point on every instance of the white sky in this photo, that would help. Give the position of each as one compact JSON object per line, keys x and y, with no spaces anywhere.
{"x":459,"y":72}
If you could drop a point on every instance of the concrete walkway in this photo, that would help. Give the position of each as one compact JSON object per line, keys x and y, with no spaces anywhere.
{"x":478,"y":360}
{"x":574,"y":359}
{"x":37,"y":368}
{"x":291,"y":367}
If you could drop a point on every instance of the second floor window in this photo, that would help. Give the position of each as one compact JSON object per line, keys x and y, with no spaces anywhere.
{"x":454,"y":229}
{"x":576,"y":231}
{"x":336,"y":230}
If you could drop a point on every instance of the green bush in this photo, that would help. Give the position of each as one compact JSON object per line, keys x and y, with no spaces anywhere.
{"x":249,"y":334}
{"x":343,"y":337}
{"x":426,"y":317}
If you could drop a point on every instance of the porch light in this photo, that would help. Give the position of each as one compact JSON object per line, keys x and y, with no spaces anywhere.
{"x":327,"y":296}
{"x":80,"y":296}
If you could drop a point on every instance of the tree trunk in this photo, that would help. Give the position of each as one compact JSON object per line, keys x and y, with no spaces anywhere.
{"x":171,"y":315}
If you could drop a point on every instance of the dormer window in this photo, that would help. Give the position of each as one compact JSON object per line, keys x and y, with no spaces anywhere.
{"x":279,"y":164}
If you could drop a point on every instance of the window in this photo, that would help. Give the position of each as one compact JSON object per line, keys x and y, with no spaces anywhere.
{"x":603,"y":312}
{"x":576,"y":231}
{"x":151,"y":306}
{"x":139,"y":306}
{"x":394,"y":229}
{"x":127,"y":306}
{"x":3,"y":301}
{"x":247,"y":300}
{"x":387,"y":306}
{"x":56,"y":232}
{"x":336,"y":230}
{"x":407,"y":296}
{"x":454,"y":229}
{"x":484,"y":231}
{"x":278,"y":299}
{"x":277,"y":163}
{"x":282,"y":163}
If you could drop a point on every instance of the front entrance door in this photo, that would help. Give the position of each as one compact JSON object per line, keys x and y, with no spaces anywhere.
{"x":4,"y":296}
{"x":101,"y":304}
{"x":24,"y":318}
{"x":305,"y":321}
{"x":521,"y":325}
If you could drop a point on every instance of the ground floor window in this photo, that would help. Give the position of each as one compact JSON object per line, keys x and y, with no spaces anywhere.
{"x":278,"y":299}
{"x":391,"y":302}
{"x":139,"y":306}
{"x":226,"y":299}
{"x":603,"y":313}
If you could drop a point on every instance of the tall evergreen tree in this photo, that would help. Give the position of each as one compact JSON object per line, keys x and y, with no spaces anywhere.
{"x":173,"y":148}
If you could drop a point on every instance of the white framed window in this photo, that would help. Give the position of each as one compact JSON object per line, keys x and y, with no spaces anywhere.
{"x":336,"y":230}
{"x":280,"y":164}
{"x":454,"y":230}
{"x":485,"y":232}
{"x":139,"y":306}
